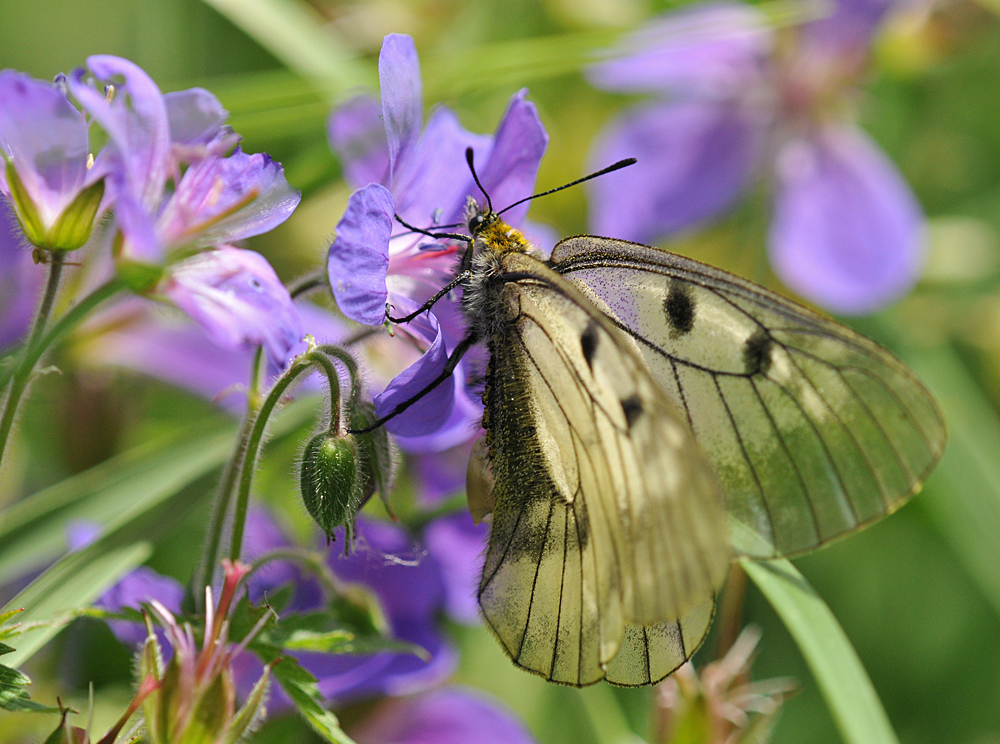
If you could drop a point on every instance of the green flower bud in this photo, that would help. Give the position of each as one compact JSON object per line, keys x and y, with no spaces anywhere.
{"x":330,"y":481}
{"x":71,"y":229}
{"x":378,"y":456}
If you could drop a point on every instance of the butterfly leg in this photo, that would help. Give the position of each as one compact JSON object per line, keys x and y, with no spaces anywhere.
{"x":456,"y":356}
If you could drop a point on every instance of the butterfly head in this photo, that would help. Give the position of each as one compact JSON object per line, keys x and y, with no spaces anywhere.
{"x":490,"y":231}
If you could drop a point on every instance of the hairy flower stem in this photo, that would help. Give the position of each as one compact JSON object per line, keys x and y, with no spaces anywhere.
{"x":313,"y":357}
{"x":40,"y":341}
{"x":227,"y":484}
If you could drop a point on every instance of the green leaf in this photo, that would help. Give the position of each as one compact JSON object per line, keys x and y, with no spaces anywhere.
{"x":13,"y":696}
{"x":323,"y":632}
{"x":294,"y":33}
{"x":301,"y":687}
{"x":33,"y":531}
{"x":963,"y":497}
{"x":842,"y":680}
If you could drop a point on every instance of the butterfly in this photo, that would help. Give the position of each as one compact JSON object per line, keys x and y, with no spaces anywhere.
{"x":649,"y":417}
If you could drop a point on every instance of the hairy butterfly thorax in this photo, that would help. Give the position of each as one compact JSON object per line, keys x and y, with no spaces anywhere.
{"x":492,"y":239}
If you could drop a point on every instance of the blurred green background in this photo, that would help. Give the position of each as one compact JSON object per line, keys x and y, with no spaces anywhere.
{"x":918,"y":594}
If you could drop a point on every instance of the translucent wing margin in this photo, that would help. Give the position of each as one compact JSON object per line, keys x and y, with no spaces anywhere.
{"x":604,"y":509}
{"x":813,"y":429}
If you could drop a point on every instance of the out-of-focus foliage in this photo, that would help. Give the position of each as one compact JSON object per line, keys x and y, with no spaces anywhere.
{"x":918,"y":595}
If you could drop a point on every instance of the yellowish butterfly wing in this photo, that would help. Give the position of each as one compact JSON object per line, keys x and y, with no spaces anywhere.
{"x":813,"y":429}
{"x":606,"y":522}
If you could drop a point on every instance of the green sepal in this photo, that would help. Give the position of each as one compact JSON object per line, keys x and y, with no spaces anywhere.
{"x":140,"y":277}
{"x":75,"y":224}
{"x":24,"y":208}
{"x":252,"y":710}
{"x":213,"y":711}
{"x":378,"y":457}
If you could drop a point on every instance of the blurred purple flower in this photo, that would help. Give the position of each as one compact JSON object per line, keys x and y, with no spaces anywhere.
{"x":450,"y":715}
{"x":45,"y":144}
{"x":847,"y":229}
{"x":423,"y":178}
{"x":237,"y":298}
{"x":20,"y":280}
{"x":174,"y":190}
{"x":409,"y":582}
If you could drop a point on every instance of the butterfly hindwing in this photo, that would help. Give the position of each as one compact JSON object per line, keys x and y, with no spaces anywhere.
{"x":813,"y":430}
{"x":606,"y":526}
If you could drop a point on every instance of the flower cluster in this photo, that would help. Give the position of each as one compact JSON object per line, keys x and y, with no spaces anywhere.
{"x":738,"y":100}
{"x":423,"y":178}
{"x":179,"y":198}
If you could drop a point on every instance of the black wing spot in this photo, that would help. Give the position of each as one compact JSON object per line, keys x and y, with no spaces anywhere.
{"x":679,"y":309}
{"x":632,"y":408}
{"x":588,"y":341}
{"x":757,"y":352}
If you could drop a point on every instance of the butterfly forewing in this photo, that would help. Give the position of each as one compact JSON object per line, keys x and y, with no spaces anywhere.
{"x":606,"y":526}
{"x":813,"y":430}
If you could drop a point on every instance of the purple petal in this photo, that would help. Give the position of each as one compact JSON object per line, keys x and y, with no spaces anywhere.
{"x":396,"y":568}
{"x":359,"y":256}
{"x":136,"y":587}
{"x":136,"y":123}
{"x":711,"y":50}
{"x":45,"y":139}
{"x":402,"y":107}
{"x":344,"y":678}
{"x":436,"y":179}
{"x":179,"y":352}
{"x":520,"y":142}
{"x":227,"y":199}
{"x":408,"y":584}
{"x":458,"y":545}
{"x":433,"y":410}
{"x":850,"y":27}
{"x":195,"y":116}
{"x":459,"y":428}
{"x":20,"y":279}
{"x":237,"y":298}
{"x":847,"y":229}
{"x":694,"y":160}
{"x":450,"y":715}
{"x":357,"y":134}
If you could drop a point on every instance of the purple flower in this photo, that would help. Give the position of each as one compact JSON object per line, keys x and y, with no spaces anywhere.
{"x":174,"y":190}
{"x":408,"y":582}
{"x":735,"y":104}
{"x":45,"y":144}
{"x":409,"y":585}
{"x":20,"y":280}
{"x":423,"y":177}
{"x":237,"y":298}
{"x":450,"y":715}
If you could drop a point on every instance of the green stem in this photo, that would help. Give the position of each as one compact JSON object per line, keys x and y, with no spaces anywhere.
{"x":51,"y":287}
{"x":308,"y":283}
{"x":348,"y":361}
{"x":227,"y":483}
{"x":41,"y":341}
{"x":256,"y":438}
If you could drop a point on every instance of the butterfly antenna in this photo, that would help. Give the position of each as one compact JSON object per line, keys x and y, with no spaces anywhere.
{"x":429,"y":234}
{"x":475,"y":177}
{"x":603,"y":171}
